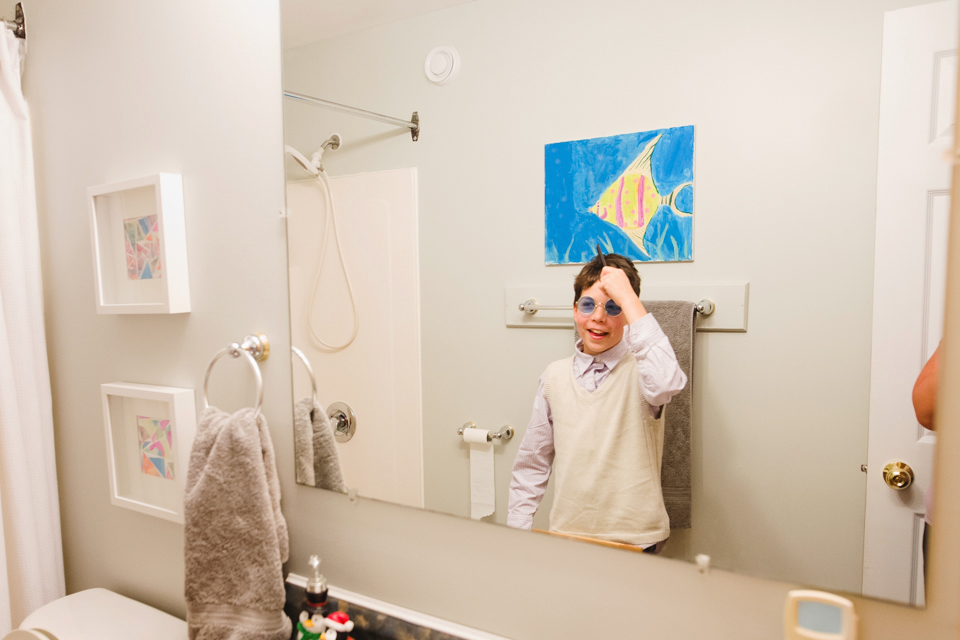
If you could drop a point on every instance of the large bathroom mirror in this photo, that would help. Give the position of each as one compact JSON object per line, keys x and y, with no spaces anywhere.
{"x":784,"y":164}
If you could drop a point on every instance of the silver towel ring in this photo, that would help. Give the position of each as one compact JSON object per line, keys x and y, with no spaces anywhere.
{"x":254,"y":348}
{"x":313,"y":378}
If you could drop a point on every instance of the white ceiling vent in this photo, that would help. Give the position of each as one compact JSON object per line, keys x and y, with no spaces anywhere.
{"x":442,"y":65}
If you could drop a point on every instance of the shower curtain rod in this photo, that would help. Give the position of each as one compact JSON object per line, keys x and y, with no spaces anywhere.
{"x":18,"y":24}
{"x":413,"y":124}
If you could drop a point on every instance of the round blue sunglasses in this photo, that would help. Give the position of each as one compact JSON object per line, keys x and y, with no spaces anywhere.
{"x":586,"y":305}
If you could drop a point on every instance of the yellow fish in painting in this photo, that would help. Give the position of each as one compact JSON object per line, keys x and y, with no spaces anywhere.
{"x":632,"y":200}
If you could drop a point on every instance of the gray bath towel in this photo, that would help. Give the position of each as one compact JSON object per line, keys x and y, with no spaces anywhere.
{"x":320,"y":454}
{"x":235,"y":537}
{"x":677,"y":321}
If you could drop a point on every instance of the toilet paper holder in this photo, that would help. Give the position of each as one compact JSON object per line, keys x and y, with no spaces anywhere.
{"x":505,"y":433}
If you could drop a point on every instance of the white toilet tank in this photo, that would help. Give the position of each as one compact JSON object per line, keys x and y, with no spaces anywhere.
{"x":99,"y":614}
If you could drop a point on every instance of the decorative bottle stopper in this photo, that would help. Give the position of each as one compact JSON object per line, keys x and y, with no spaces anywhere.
{"x":316,"y":584}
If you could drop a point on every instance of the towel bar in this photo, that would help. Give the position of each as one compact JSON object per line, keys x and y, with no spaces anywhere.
{"x":705,"y":307}
{"x":254,"y":348}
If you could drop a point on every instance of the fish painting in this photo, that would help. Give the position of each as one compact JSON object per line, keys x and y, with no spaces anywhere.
{"x":632,"y":200}
{"x":630,"y":193}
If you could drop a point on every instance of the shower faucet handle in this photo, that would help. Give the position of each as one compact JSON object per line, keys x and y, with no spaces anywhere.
{"x":344,"y":421}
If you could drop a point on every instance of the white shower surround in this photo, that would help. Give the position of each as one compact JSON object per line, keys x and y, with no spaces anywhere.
{"x":378,"y":374}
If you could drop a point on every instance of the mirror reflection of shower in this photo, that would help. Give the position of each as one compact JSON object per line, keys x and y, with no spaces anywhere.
{"x":315,"y":168}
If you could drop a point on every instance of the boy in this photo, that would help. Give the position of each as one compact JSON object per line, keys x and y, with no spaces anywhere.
{"x":598,"y":418}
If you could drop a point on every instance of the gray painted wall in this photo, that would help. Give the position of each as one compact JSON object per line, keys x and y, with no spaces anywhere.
{"x":120,"y":89}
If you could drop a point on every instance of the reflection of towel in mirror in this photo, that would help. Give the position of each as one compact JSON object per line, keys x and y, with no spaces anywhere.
{"x":677,"y":321}
{"x":235,"y":537}
{"x":316,"y":428}
{"x":303,"y":443}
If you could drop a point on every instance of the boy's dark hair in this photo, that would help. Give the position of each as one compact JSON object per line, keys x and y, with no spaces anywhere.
{"x":590,"y":273}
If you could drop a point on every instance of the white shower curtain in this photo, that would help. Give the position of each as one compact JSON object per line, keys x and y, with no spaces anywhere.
{"x":31,"y":556}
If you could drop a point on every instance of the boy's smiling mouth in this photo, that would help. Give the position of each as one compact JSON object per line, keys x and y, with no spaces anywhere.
{"x":597,"y":335}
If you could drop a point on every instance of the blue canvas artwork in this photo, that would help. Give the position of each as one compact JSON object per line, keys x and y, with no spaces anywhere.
{"x":632,"y":194}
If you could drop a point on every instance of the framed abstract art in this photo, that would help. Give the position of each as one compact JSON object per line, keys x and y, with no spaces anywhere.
{"x":139,"y":245}
{"x":149,"y":432}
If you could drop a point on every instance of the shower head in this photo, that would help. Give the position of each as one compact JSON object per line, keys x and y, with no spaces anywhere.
{"x":313,"y":164}
{"x":314,"y":169}
{"x":333,"y":142}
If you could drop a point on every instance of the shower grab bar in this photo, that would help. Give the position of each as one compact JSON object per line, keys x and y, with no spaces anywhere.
{"x":413,"y":124}
{"x":18,"y":24}
{"x":255,"y":348}
{"x":705,"y":307}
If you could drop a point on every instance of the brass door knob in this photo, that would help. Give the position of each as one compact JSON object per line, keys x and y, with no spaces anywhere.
{"x":898,"y":475}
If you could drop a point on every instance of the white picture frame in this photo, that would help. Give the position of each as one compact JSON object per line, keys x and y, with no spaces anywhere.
{"x":149,"y":479}
{"x":150,"y":277}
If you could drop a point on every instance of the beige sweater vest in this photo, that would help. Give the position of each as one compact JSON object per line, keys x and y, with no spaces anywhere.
{"x":607,"y":462}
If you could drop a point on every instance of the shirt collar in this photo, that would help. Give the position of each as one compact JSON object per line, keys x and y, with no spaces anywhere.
{"x":610,"y":357}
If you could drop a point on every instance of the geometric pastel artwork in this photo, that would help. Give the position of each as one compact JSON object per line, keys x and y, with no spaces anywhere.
{"x":156,"y":447}
{"x":632,"y":194}
{"x":142,"y":240}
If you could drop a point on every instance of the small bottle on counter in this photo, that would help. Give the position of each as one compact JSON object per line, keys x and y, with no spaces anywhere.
{"x":316,"y":586}
{"x":311,"y":624}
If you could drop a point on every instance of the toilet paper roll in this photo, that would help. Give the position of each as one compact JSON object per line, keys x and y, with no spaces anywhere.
{"x":475,"y":435}
{"x":481,"y":473}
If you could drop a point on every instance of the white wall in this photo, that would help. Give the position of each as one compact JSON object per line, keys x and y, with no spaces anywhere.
{"x":120,"y":88}
{"x":785,"y":101}
{"x":7,"y":8}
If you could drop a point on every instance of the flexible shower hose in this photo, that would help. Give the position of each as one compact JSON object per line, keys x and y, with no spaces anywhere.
{"x":331,"y":221}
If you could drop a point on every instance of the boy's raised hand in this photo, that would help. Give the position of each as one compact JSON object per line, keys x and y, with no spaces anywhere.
{"x":614,"y":283}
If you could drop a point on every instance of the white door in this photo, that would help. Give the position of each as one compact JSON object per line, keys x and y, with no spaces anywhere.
{"x":378,"y":375}
{"x":917,"y":89}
